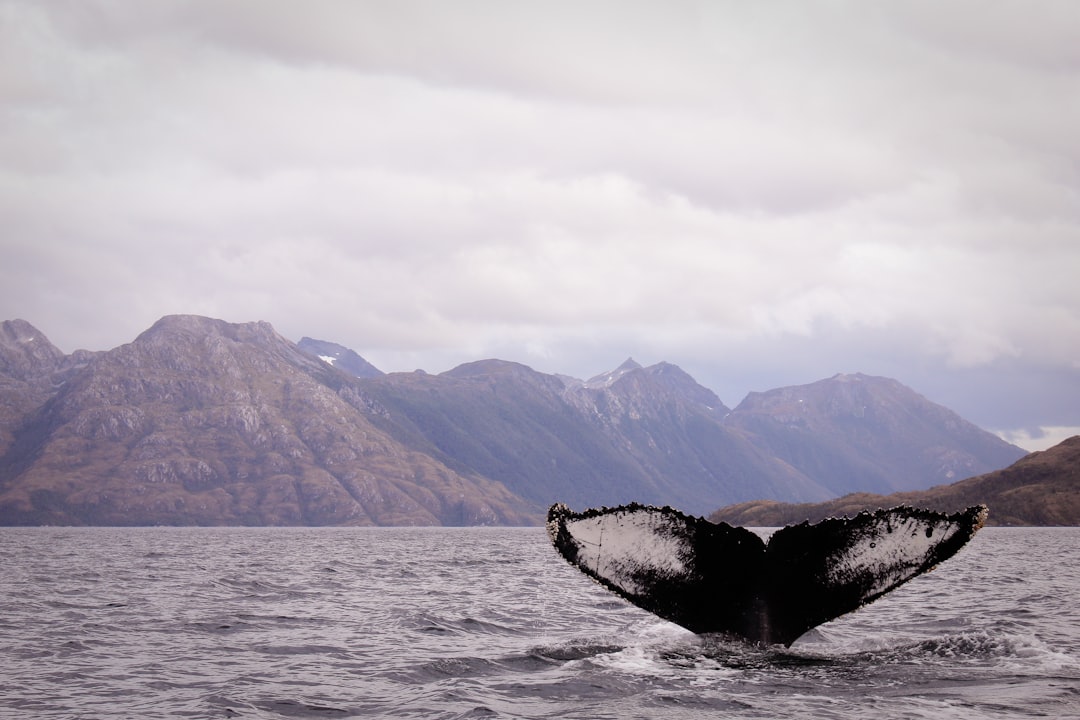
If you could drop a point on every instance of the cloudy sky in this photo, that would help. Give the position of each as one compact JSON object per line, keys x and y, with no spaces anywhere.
{"x":763,"y":193}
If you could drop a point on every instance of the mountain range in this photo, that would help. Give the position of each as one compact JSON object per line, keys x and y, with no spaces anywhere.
{"x":201,"y":421}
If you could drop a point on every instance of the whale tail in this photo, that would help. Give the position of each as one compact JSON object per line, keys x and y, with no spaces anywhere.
{"x":715,"y":578}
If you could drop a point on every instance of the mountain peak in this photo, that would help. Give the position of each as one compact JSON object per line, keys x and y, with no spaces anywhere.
{"x":491,"y":366}
{"x":506,"y":373}
{"x":200,"y":326}
{"x":340,"y":357}
{"x":606,"y":379}
{"x":24,"y":350}
{"x":871,"y":425}
{"x":17,"y":331}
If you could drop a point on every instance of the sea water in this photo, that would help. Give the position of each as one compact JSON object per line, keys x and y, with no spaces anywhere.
{"x":491,"y":623}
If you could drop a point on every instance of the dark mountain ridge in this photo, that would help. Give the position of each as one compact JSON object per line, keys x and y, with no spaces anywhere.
{"x":1042,"y":488}
{"x":200,"y":421}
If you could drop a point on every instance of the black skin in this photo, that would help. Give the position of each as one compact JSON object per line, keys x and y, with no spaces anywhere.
{"x":737,"y":585}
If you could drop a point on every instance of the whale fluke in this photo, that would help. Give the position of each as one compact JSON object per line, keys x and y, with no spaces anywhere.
{"x":715,"y":578}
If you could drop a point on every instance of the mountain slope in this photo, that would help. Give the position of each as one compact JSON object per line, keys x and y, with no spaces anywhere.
{"x":25,"y":352}
{"x":653,"y":435}
{"x":1042,"y":488}
{"x":340,"y":357}
{"x":506,"y":421}
{"x":199,"y":421}
{"x":674,"y":428}
{"x":859,"y":432}
{"x":31,"y":369}
{"x":641,"y":434}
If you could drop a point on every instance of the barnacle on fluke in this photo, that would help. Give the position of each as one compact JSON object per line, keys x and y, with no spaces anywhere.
{"x":715,"y":578}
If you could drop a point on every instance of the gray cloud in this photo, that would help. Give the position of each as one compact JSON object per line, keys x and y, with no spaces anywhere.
{"x":763,"y":193}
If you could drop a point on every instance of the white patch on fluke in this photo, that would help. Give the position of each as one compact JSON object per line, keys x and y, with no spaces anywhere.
{"x":623,"y":547}
{"x":890,"y":555}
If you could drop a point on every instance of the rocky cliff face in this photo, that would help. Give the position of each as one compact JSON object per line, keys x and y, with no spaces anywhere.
{"x":200,"y":421}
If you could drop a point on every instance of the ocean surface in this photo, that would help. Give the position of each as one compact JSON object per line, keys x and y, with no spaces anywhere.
{"x":491,"y":623}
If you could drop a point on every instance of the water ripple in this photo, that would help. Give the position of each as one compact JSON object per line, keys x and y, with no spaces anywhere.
{"x":489,"y":623}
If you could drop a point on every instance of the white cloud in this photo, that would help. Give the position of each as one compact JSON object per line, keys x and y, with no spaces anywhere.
{"x":1039,"y":439}
{"x":844,"y":186}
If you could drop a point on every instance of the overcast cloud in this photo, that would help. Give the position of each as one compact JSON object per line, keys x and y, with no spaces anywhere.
{"x":762,"y":193}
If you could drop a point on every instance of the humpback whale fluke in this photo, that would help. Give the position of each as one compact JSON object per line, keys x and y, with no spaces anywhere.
{"x":715,"y":578}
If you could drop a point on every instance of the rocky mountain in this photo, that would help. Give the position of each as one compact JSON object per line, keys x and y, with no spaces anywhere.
{"x":199,"y":421}
{"x":31,"y":369}
{"x":340,"y":357}
{"x":676,"y":430}
{"x":857,"y":432}
{"x":503,"y":420}
{"x":202,"y":422}
{"x":1042,"y":488}
{"x":654,"y":435}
